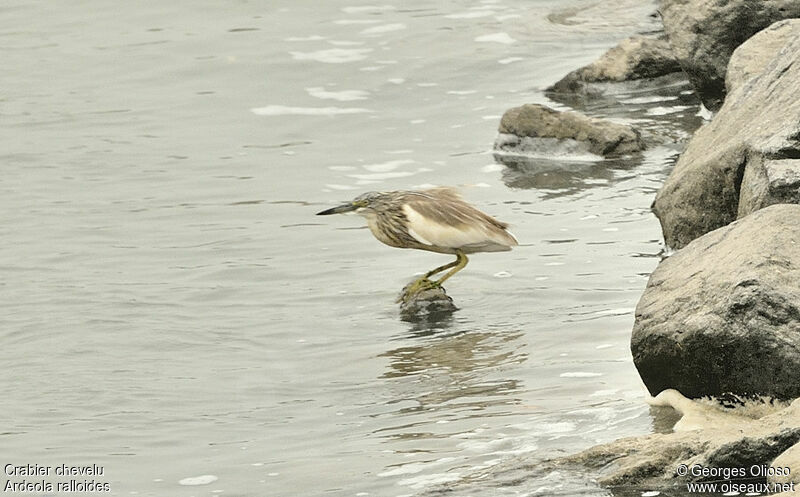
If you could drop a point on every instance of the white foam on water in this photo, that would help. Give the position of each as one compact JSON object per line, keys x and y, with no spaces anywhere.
{"x":396,"y":81}
{"x":605,"y":345}
{"x":544,"y":148}
{"x":384,"y":28}
{"x":704,"y":113}
{"x":492,"y":168}
{"x":341,"y":96}
{"x":417,"y":121}
{"x":391,"y":165}
{"x":462,"y":92}
{"x":579,"y":374}
{"x":554,"y":428}
{"x":283,"y":110}
{"x":429,"y":480}
{"x":502,"y":274}
{"x":662,"y":111}
{"x":333,"y":55}
{"x":506,"y":17}
{"x":405,"y":469}
{"x":503,"y":38}
{"x":652,"y":493}
{"x":649,"y":100}
{"x":509,"y":60}
{"x":342,"y":168}
{"x":198,"y":480}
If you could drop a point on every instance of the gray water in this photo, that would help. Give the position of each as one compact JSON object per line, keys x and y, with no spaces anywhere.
{"x":172,"y":308}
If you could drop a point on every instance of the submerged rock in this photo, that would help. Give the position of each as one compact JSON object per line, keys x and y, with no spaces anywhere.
{"x":638,"y":57}
{"x":430,"y":304}
{"x":537,"y":127}
{"x":759,"y":122}
{"x":704,"y":34}
{"x":723,"y":313}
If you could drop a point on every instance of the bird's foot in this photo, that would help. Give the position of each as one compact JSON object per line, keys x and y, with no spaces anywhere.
{"x":416,"y":287}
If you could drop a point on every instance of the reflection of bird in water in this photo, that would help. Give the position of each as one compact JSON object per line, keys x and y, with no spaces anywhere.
{"x":437,"y":220}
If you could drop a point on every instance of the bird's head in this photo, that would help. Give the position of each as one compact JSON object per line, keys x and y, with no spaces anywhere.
{"x":363,"y":204}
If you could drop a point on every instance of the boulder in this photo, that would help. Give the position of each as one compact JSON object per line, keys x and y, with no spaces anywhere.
{"x":534,"y":126}
{"x":769,"y":182}
{"x":704,"y":33}
{"x":723,"y":313}
{"x":638,"y":57}
{"x":759,"y":122}
{"x":787,"y":459}
{"x":752,"y":58}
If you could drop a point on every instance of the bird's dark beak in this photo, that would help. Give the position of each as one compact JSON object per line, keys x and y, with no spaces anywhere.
{"x":339,"y":210}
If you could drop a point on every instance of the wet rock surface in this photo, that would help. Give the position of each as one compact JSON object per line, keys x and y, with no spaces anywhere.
{"x":430,"y":304}
{"x":716,"y":439}
{"x":759,"y":122}
{"x":723,"y":314}
{"x":638,"y":57}
{"x":704,"y":33}
{"x":537,"y":127}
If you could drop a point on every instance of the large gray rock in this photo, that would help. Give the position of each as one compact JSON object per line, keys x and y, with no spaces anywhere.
{"x":534,"y":125}
{"x":704,"y":34}
{"x":752,"y":58}
{"x":769,"y":182}
{"x":760,"y":121}
{"x":790,"y":458}
{"x":723,"y":313}
{"x":638,"y":57}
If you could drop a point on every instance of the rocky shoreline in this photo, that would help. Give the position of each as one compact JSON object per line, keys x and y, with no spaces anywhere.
{"x":721,"y":315}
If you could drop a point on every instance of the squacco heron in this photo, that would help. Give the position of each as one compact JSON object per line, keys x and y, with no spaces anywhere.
{"x":437,"y":220}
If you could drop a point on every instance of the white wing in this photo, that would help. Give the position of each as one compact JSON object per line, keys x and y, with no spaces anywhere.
{"x":468,"y":237}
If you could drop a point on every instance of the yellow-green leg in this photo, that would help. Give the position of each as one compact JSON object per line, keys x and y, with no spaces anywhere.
{"x":424,"y":283}
{"x":459,"y":264}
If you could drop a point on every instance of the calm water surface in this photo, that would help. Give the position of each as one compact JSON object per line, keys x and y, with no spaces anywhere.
{"x":172,"y":308}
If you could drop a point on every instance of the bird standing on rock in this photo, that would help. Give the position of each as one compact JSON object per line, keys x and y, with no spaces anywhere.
{"x":437,"y":220}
